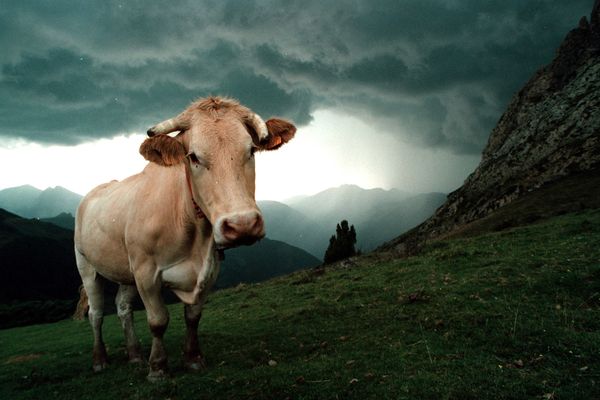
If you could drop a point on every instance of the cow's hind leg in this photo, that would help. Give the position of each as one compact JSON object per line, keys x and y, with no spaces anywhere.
{"x":125,"y":297}
{"x":94,"y":286}
{"x":192,"y":355}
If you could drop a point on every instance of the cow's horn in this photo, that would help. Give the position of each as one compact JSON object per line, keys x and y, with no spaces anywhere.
{"x":170,"y":125}
{"x":259,"y":126}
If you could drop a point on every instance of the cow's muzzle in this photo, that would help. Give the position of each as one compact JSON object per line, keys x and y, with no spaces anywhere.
{"x":239,"y":229}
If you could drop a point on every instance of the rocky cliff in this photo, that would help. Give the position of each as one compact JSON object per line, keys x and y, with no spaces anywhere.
{"x":551,"y":129}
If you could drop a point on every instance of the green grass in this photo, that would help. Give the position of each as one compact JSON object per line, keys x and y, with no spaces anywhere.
{"x":510,"y":315}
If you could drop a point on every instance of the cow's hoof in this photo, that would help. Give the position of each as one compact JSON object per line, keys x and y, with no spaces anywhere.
{"x":135,"y":354}
{"x":196,"y":366}
{"x":157,"y":376}
{"x":99,"y":367}
{"x":136,"y":360}
{"x":195,"y":363}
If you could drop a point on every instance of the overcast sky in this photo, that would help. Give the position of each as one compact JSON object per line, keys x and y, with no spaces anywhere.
{"x":397,"y":93}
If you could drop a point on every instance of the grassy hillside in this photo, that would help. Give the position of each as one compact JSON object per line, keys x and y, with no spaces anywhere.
{"x":574,"y":192}
{"x":566,"y":194}
{"x":507,"y":315}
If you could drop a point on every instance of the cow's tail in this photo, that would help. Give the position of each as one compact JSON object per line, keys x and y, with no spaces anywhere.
{"x":82,"y":305}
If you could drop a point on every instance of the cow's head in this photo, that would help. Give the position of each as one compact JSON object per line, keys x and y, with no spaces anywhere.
{"x":216,"y":144}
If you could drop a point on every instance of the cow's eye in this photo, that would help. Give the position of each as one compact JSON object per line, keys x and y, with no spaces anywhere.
{"x":193,"y":158}
{"x":196,"y":162}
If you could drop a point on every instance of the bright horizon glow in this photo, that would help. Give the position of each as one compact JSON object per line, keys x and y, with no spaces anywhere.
{"x":337,"y":149}
{"x":77,"y":168}
{"x":333,"y":150}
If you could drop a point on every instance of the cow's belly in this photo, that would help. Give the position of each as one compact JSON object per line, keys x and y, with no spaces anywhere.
{"x":121,"y":275}
{"x":109,"y":258}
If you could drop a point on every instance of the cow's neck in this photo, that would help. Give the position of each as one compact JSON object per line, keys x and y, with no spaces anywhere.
{"x":200,"y":216}
{"x":208,"y":257}
{"x":197,"y":210}
{"x":192,"y":211}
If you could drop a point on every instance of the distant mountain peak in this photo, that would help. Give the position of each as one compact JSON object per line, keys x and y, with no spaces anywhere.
{"x":353,"y":188}
{"x":60,"y":189}
{"x":22,"y":187}
{"x":349,"y":186}
{"x":30,"y":202}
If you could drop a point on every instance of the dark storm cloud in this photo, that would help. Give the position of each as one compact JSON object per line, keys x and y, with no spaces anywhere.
{"x":435,"y":73}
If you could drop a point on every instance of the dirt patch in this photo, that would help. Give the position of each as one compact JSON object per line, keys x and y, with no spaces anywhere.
{"x":23,"y":358}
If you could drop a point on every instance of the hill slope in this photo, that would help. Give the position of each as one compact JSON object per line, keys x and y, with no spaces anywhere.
{"x":550,"y":130}
{"x":287,"y":224}
{"x":391,"y":219}
{"x":39,"y":278}
{"x":64,"y":220}
{"x":510,"y":315}
{"x":261,"y":261}
{"x":36,"y":260}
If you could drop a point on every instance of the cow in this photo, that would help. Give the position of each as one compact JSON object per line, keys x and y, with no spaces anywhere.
{"x":169,"y":225}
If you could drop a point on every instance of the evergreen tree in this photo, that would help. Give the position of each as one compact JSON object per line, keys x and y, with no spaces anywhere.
{"x":341,"y":245}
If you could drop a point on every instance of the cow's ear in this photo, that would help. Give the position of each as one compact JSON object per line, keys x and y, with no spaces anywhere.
{"x":163,"y":150}
{"x":280,"y":132}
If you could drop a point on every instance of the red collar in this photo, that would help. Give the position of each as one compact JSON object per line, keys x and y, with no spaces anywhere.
{"x":199,"y":213}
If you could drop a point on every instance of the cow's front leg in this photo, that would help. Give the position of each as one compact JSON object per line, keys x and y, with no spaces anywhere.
{"x":192,"y":355}
{"x":158,"y":320}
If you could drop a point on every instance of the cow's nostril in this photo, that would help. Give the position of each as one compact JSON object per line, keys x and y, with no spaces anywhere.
{"x":243,"y":228}
{"x":258,"y":222}
{"x":228,"y":229}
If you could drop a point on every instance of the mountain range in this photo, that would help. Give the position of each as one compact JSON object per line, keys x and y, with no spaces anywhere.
{"x":306,"y":222}
{"x":377,"y":215}
{"x":30,"y":202}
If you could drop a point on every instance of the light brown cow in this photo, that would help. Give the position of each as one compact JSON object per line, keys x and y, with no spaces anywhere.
{"x":168,"y":225}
